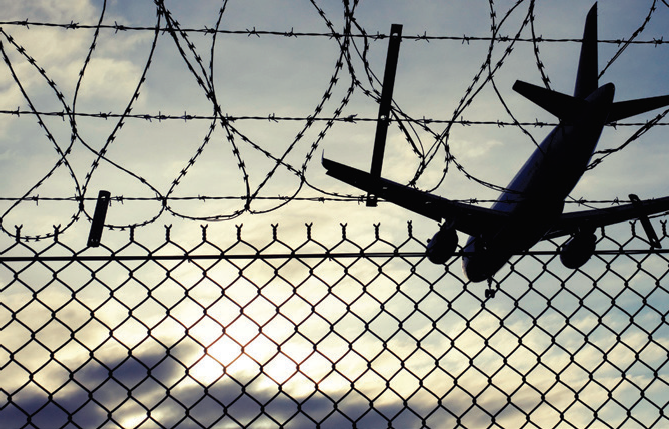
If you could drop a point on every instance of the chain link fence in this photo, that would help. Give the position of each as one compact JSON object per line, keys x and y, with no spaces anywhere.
{"x":336,"y":332}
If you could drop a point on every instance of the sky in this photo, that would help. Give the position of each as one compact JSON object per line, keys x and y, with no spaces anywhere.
{"x":187,"y":168}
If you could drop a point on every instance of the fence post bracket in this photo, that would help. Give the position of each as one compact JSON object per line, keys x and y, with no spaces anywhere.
{"x":95,"y":234}
{"x":384,"y":106}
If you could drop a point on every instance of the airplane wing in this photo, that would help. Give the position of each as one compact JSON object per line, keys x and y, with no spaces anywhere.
{"x":467,"y":218}
{"x":570,"y":223}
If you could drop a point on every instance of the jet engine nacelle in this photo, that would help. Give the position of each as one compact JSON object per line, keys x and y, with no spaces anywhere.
{"x":578,"y":250}
{"x":442,"y":246}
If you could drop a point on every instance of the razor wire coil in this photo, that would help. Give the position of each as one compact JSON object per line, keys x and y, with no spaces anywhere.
{"x":352,"y":73}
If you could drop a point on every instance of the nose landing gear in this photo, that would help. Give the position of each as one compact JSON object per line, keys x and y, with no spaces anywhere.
{"x":490,"y":292}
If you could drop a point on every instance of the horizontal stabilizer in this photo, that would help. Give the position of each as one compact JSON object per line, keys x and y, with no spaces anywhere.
{"x":625,"y":109}
{"x":561,"y":105}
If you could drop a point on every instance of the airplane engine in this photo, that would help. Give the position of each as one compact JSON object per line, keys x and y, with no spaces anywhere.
{"x":442,"y":246}
{"x":578,"y":250}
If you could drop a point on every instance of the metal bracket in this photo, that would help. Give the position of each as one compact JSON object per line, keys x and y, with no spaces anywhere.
{"x":384,"y":106}
{"x":95,"y":235}
{"x":645,"y":222}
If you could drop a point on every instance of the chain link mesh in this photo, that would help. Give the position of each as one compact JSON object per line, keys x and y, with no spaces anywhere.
{"x":333,"y":333}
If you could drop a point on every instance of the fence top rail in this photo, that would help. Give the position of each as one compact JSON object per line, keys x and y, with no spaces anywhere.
{"x":260,"y":255}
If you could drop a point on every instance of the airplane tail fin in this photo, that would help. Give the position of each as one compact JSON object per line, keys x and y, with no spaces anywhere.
{"x":562,"y":105}
{"x":587,"y":76}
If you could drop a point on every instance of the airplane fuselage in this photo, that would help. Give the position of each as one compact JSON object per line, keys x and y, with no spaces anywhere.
{"x":535,"y":197}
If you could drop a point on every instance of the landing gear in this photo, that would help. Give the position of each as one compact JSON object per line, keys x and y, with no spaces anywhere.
{"x":490,"y":292}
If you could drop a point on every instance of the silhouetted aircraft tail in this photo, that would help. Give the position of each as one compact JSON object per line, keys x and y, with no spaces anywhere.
{"x":566,"y":107}
{"x":562,"y":105}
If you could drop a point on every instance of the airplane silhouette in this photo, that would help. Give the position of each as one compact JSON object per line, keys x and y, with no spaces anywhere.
{"x":530,"y":208}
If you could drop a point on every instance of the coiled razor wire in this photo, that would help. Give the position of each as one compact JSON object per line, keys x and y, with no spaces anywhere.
{"x":428,"y":138}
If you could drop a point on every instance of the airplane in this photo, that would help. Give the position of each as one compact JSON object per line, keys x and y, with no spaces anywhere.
{"x":530,"y":209}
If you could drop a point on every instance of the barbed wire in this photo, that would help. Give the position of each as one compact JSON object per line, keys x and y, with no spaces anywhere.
{"x":330,"y":35}
{"x":352,"y":74}
{"x":36,"y":199}
{"x":272,"y":117}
